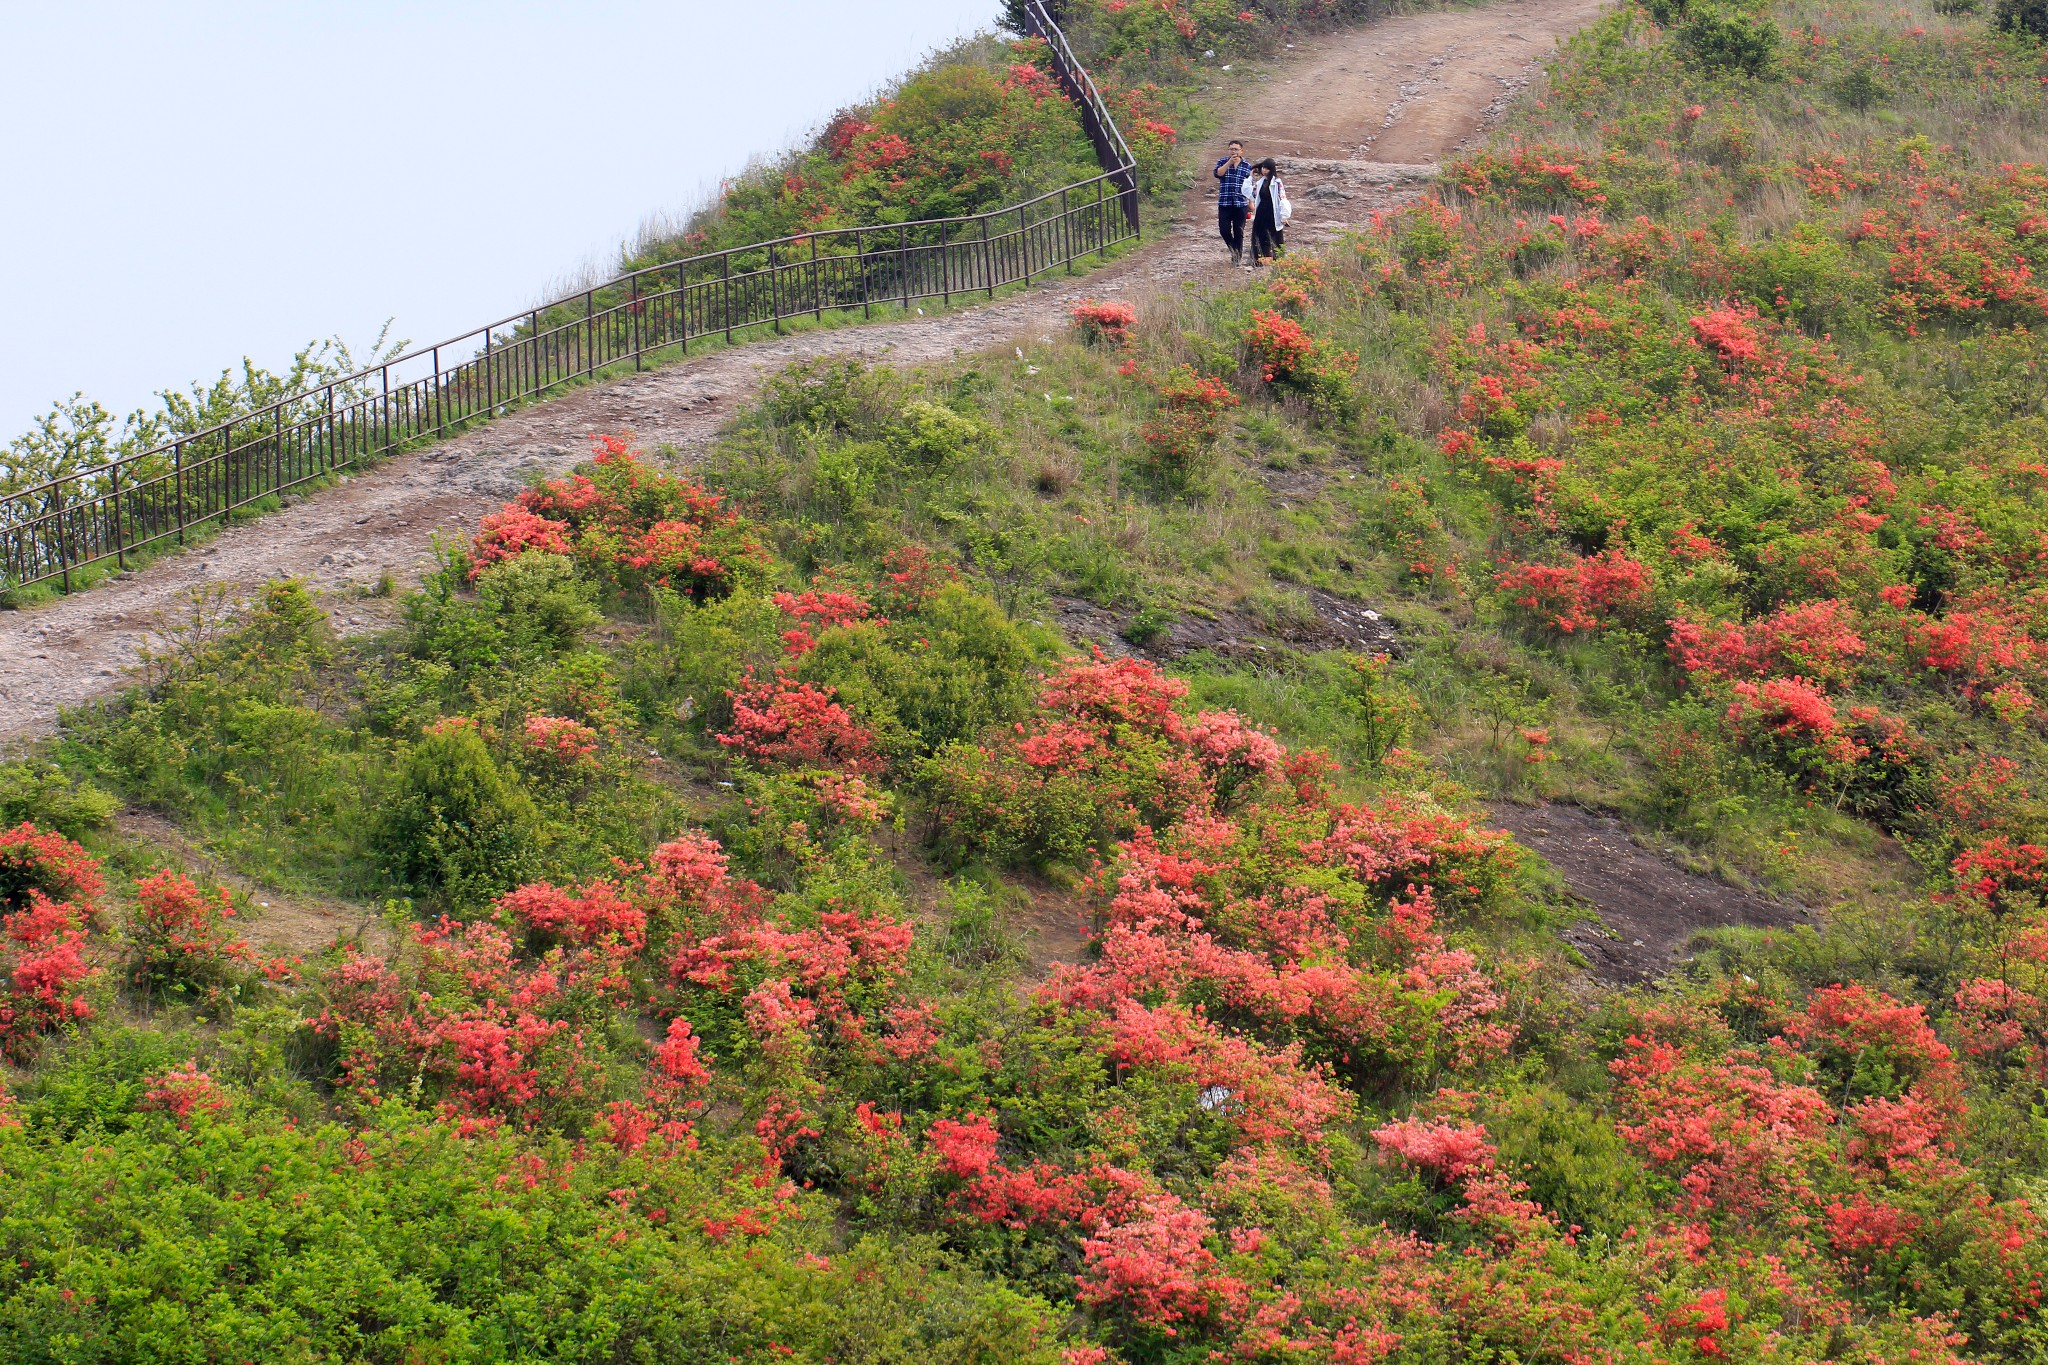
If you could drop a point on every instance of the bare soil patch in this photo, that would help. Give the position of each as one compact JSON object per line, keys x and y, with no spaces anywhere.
{"x":1053,"y":926}
{"x":1362,"y":115}
{"x":1650,"y":908}
{"x":1336,"y":623}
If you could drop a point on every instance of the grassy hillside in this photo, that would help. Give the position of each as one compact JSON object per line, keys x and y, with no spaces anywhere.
{"x":724,"y":826}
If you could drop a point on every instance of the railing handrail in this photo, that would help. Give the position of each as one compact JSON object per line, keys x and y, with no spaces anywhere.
{"x":366,"y":396}
{"x":1091,"y":97}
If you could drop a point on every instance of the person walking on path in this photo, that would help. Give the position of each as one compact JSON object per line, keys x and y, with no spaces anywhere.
{"x":1231,"y":173}
{"x":1269,"y":212}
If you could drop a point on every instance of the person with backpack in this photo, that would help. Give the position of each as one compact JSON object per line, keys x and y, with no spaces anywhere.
{"x":1269,"y":211}
{"x":1231,"y":173}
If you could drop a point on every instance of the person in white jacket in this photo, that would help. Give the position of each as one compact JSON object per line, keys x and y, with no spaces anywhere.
{"x":1268,"y":210}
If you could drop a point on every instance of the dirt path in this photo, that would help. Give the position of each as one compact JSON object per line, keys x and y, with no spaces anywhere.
{"x":1650,"y":908}
{"x":285,"y":923}
{"x":1361,"y":116}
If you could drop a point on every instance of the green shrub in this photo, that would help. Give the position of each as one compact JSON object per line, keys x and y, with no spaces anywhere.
{"x":955,"y":668}
{"x":37,"y":790}
{"x":95,"y":1085}
{"x":539,"y":598}
{"x":2023,"y":16}
{"x":1861,"y":88}
{"x":262,"y":1241}
{"x":931,"y":436}
{"x":453,"y":824}
{"x":840,"y":396}
{"x":1717,"y":39}
{"x":1149,"y":625}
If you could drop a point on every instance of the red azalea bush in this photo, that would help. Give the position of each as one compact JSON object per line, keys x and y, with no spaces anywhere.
{"x":559,"y":741}
{"x":471,"y":1027}
{"x":823,"y":608}
{"x":1109,"y":322}
{"x":184,"y":1093}
{"x":1528,"y":176}
{"x":1183,"y":429}
{"x":48,"y":895}
{"x":1290,"y":357}
{"x":182,"y":939}
{"x":783,"y":721}
{"x":630,"y":525}
{"x":1579,"y":595}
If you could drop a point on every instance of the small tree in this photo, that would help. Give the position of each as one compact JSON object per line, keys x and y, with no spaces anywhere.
{"x":1860,"y":89}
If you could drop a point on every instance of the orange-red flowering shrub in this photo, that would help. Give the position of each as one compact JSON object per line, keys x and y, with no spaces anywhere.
{"x":1110,"y":322}
{"x":184,"y":1093}
{"x":183,"y":941}
{"x":630,"y":525}
{"x":783,"y":721}
{"x":1579,"y":595}
{"x":1182,"y":430}
{"x":48,"y":895}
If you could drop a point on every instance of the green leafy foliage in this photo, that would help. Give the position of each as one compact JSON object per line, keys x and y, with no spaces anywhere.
{"x":867,"y":973}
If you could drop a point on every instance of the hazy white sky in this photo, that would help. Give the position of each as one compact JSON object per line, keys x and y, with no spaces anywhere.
{"x":188,"y":181}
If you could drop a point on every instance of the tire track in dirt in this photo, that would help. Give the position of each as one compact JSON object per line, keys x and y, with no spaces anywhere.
{"x":1360,"y":116}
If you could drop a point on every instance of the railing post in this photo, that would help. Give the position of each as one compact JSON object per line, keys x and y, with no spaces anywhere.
{"x":227,"y":465}
{"x":540,"y":379}
{"x":683,"y":304}
{"x":63,"y":534}
{"x":903,"y":263}
{"x":384,"y":446}
{"x":817,"y":284}
{"x":1066,"y":232}
{"x":490,"y":379}
{"x":774,"y":291}
{"x":860,"y":253}
{"x":1101,"y":223}
{"x":946,"y":263}
{"x":120,"y":540}
{"x":726,"y":260}
{"x":178,"y":481}
{"x":440,"y":407}
{"x":988,"y":260}
{"x":635,"y":315}
{"x":589,"y":332}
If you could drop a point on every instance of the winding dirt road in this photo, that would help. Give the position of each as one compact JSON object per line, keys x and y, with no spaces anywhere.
{"x":1359,"y":118}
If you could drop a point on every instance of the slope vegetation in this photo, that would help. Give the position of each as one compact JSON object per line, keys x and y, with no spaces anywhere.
{"x":1673,"y":455}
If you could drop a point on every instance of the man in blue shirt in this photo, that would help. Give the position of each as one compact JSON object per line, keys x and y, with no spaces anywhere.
{"x":1231,"y":173}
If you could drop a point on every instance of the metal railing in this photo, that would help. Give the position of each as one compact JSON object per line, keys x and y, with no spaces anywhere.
{"x":112,"y":509}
